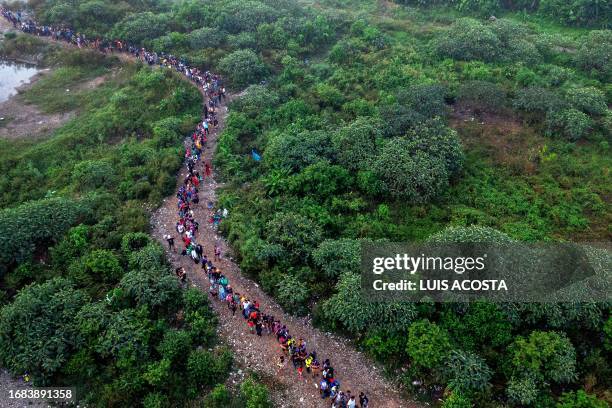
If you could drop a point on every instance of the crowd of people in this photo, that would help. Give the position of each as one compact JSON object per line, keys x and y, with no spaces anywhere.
{"x":292,"y":350}
{"x":210,"y":83}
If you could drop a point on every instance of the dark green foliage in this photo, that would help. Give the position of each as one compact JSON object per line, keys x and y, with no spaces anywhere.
{"x":243,"y":67}
{"x":110,"y":325}
{"x":336,"y":257}
{"x":594,"y":54}
{"x":296,"y":234}
{"x":296,"y":150}
{"x":255,"y":99}
{"x":580,"y":399}
{"x":206,"y":37}
{"x":346,"y":125}
{"x":438,"y":141}
{"x":426,"y":100}
{"x":254,"y":395}
{"x":292,"y":294}
{"x":38,"y":331}
{"x":36,"y":224}
{"x":349,"y":311}
{"x":543,"y":356}
{"x":467,"y":372}
{"x":580,"y":13}
{"x":355,"y":144}
{"x":219,"y":397}
{"x":428,"y":345}
{"x":481,"y":96}
{"x":142,"y":27}
{"x":205,"y":368}
{"x":398,"y":119}
{"x":468,"y":39}
{"x":93,"y":174}
{"x":569,"y":123}
{"x":589,"y":100}
{"x":415,"y":177}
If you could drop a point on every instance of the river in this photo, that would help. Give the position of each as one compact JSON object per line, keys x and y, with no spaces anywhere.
{"x":12,"y":75}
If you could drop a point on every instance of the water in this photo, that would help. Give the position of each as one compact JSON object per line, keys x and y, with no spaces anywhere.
{"x":12,"y":75}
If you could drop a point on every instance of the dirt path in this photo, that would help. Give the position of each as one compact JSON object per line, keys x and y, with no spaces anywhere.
{"x":355,"y":371}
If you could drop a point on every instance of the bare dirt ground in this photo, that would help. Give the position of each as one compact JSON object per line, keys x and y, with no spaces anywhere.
{"x":7,"y":383}
{"x":355,"y":371}
{"x":21,"y":120}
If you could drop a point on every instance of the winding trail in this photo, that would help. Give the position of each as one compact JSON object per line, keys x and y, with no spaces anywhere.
{"x":354,"y":370}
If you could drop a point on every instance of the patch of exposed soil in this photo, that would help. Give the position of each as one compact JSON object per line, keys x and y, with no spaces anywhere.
{"x":502,"y":136}
{"x":7,"y":383}
{"x":26,"y":120}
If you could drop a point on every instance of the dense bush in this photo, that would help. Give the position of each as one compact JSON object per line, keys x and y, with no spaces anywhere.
{"x":468,"y":39}
{"x":355,"y":144}
{"x":243,"y":67}
{"x":482,"y":96}
{"x":415,"y":177}
{"x":39,"y":223}
{"x":296,"y":150}
{"x":39,"y":332}
{"x":592,"y":56}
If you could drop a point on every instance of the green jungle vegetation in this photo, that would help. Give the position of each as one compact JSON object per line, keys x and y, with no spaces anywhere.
{"x":453,"y":121}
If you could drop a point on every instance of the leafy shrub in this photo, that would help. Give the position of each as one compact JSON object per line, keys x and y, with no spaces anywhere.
{"x":206,"y":37}
{"x":467,"y":372}
{"x":580,"y":399}
{"x":545,"y":356}
{"x":92,"y":174}
{"x":219,"y":397}
{"x":398,"y":119}
{"x":415,"y":177}
{"x":482,"y":96}
{"x":243,"y":67}
{"x":292,"y":294}
{"x":148,"y":288}
{"x":538,"y":100}
{"x":523,"y":390}
{"x":297,"y":234}
{"x":593,"y":54}
{"x":24,"y":228}
{"x":355,"y":144}
{"x":140,"y":27}
{"x":589,"y":100}
{"x":438,"y":141}
{"x":570,"y":123}
{"x":348,"y":310}
{"x":254,"y":395}
{"x":428,"y":344}
{"x":468,"y":39}
{"x":457,"y":400}
{"x":255,"y":99}
{"x":206,"y":369}
{"x":425,"y":99}
{"x":38,"y":330}
{"x":336,"y":257}
{"x":294,"y":151}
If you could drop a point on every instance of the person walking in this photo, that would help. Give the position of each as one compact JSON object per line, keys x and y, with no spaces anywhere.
{"x":170,"y":239}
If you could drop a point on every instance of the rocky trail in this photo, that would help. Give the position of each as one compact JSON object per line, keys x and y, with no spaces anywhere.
{"x":355,"y":371}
